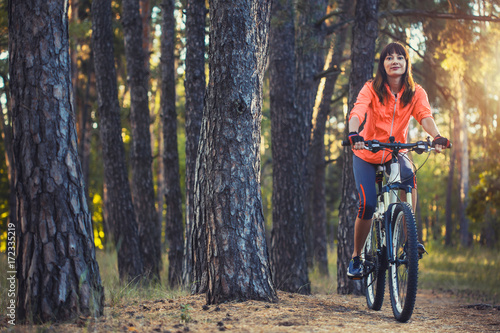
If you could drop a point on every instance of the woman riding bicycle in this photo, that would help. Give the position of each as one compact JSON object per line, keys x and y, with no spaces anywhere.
{"x":386,"y":105}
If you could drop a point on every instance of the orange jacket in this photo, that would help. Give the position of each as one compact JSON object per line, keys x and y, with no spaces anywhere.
{"x":389,"y":119}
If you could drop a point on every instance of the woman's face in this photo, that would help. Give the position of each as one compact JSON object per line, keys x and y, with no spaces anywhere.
{"x":395,"y":65}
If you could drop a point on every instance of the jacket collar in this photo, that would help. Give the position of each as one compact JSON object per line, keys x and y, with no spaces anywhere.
{"x":390,"y":92}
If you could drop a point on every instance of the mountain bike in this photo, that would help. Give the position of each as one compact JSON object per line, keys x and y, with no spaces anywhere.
{"x":392,"y":243}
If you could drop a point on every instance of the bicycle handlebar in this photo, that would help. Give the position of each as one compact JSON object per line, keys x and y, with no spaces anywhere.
{"x":375,"y":145}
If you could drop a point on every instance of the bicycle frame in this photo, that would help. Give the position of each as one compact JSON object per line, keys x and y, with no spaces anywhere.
{"x":389,"y":195}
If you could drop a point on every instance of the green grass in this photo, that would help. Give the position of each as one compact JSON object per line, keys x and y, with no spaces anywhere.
{"x":473,"y":272}
{"x":118,"y":294}
{"x":325,"y":284}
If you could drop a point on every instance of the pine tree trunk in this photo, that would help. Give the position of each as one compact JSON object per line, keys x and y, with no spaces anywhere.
{"x":173,"y":197}
{"x":317,"y":199}
{"x":288,"y":250}
{"x":365,"y":33}
{"x":310,"y":58}
{"x":141,"y":157}
{"x":145,"y":11}
{"x":87,"y":127}
{"x":119,"y":210}
{"x":57,"y":271}
{"x":195,"y":93}
{"x":227,"y":199}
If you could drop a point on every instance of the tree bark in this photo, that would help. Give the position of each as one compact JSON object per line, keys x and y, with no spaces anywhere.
{"x":195,"y":93}
{"x":365,"y":32}
{"x":173,"y":197}
{"x":145,"y":11}
{"x":57,"y":271}
{"x":310,"y":58}
{"x":316,"y":159}
{"x":228,"y":202}
{"x":288,"y":250}
{"x":141,"y":157}
{"x":118,"y":207}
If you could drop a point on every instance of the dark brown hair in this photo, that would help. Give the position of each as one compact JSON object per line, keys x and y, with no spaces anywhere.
{"x":381,"y":76}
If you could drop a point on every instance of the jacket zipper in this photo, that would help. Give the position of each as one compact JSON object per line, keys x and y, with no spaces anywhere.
{"x":392,"y":124}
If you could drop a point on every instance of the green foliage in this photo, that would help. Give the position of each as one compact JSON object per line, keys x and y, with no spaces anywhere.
{"x":321,"y":284}
{"x":484,"y":196}
{"x":185,"y":313}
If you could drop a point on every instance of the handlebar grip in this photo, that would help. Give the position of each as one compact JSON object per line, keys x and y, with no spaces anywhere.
{"x":346,"y":143}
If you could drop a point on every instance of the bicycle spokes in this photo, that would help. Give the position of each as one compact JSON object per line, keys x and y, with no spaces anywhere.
{"x":404,"y":268}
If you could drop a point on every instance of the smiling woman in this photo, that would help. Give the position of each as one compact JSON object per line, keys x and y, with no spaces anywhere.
{"x":395,"y":67}
{"x":386,"y":105}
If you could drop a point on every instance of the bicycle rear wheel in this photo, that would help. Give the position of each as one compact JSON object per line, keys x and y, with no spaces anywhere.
{"x":403,"y":273}
{"x":375,"y":280}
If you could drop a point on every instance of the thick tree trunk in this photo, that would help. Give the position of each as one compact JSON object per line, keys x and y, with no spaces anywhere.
{"x":363,"y":54}
{"x":119,"y":210}
{"x":57,"y":271}
{"x":288,"y":250}
{"x":145,"y":11}
{"x":228,"y":201}
{"x":316,"y":160}
{"x":85,"y":121}
{"x":173,"y":197}
{"x":310,"y":58}
{"x":141,"y":157}
{"x":195,"y":93}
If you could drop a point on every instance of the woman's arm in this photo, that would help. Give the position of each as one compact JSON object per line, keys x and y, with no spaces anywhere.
{"x":429,"y":125}
{"x":354,"y":124}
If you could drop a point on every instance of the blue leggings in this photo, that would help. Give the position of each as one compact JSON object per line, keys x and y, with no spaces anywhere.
{"x":364,"y":174}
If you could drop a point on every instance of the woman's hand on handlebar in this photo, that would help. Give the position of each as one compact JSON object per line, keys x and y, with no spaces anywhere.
{"x":439,"y":143}
{"x":356,"y":140}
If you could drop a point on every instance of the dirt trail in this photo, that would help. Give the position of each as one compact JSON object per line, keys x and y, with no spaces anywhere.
{"x":434,"y":312}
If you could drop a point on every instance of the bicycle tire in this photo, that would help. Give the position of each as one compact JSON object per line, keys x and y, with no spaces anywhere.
{"x":375,"y":281}
{"x":403,"y":274}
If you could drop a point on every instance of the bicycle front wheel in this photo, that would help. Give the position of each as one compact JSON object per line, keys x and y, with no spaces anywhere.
{"x":375,"y":279}
{"x":403,"y":273}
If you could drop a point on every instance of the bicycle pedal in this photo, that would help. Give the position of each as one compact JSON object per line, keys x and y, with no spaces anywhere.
{"x":355,"y":278}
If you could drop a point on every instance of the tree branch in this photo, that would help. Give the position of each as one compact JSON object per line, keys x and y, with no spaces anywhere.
{"x":410,"y":12}
{"x":340,"y":97}
{"x":325,"y":73}
{"x":327,"y":16}
{"x":330,"y":29}
{"x":386,"y":32}
{"x":431,"y":14}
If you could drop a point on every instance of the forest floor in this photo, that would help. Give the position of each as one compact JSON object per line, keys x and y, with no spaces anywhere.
{"x":434,"y":312}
